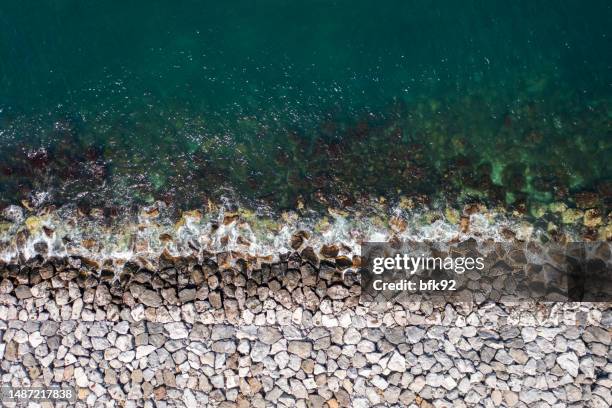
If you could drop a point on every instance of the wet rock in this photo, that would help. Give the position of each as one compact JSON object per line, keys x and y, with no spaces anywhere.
{"x":592,"y":218}
{"x":586,"y":199}
{"x":329,"y":251}
{"x":571,"y":216}
{"x":298,"y":239}
{"x":309,"y":255}
{"x":344,"y":262}
{"x":150,"y":298}
{"x":13,"y":214}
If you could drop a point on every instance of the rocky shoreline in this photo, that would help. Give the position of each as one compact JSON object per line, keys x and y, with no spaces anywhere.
{"x":108,"y":241}
{"x":291,"y":333}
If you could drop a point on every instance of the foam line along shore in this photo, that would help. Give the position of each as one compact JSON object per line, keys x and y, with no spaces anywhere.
{"x":110,"y":242}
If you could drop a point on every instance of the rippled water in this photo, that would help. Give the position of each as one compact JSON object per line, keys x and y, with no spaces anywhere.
{"x":321,"y":103}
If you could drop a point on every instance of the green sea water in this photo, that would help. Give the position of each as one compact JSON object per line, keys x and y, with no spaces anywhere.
{"x":320,"y":102}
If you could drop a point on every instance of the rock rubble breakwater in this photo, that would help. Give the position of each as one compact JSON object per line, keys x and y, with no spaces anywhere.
{"x":290,"y":333}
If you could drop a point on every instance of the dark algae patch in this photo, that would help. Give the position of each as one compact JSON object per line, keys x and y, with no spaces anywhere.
{"x":317,"y":104}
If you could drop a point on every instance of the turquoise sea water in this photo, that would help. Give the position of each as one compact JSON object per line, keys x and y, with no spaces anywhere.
{"x":321,"y":102}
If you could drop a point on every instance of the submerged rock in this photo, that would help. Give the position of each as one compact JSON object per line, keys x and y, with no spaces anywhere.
{"x":592,"y":218}
{"x":586,"y":200}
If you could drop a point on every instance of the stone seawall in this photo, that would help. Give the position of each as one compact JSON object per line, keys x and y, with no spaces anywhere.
{"x":290,"y":334}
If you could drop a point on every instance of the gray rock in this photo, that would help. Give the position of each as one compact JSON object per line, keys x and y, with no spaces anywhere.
{"x":519,"y":355}
{"x":300,"y":348}
{"x":62,"y":297}
{"x":100,"y":343}
{"x":124,"y":343}
{"x":35,"y":339}
{"x":219,"y":332}
{"x":116,"y":393}
{"x":122,"y":327}
{"x":187,"y":295}
{"x":351,"y":336}
{"x":596,"y":334}
{"x":224,"y":346}
{"x":395,"y":335}
{"x":529,"y":396}
{"x":509,"y":332}
{"x":298,"y":389}
{"x":269,"y":335}
{"x":98,"y":329}
{"x":337,"y":292}
{"x":414,"y":334}
{"x":13,"y":213}
{"x":80,"y":377}
{"x":573,"y":393}
{"x":179,"y":357}
{"x":511,"y":398}
{"x":103,"y":296}
{"x":569,"y":362}
{"x":259,"y":351}
{"x":176,"y":330}
{"x":23,"y":292}
{"x":503,"y":357}
{"x":150,"y":298}
{"x":143,"y":351}
{"x":397,"y":362}
{"x":126,"y":356}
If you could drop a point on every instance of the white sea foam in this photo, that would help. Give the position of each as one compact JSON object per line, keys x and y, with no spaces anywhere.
{"x":244,"y":234}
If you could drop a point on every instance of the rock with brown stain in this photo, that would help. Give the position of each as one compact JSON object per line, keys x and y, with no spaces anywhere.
{"x":344,"y":262}
{"x":464,"y":224}
{"x":309,"y":255}
{"x":329,"y":251}
{"x":297,"y":240}
{"x":229,"y":218}
{"x":592,"y":218}
{"x":586,"y":199}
